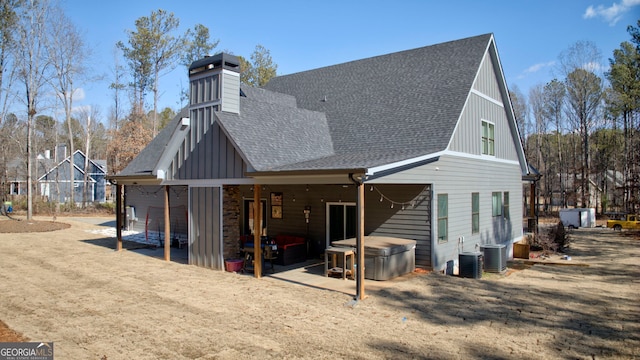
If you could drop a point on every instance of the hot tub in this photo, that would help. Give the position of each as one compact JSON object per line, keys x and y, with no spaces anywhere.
{"x":385,"y":257}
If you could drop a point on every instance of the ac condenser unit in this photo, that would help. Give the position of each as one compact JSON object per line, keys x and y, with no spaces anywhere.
{"x":495,"y":258}
{"x":470,"y":265}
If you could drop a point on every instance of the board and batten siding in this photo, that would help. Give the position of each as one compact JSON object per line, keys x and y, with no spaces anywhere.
{"x":205,"y":236}
{"x":486,"y":81}
{"x":212,"y":155}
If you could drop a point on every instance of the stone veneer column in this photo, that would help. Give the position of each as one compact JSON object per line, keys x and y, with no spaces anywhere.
{"x":231,"y":221}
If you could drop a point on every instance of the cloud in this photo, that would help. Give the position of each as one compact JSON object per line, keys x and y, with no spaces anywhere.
{"x":611,"y":14}
{"x":78,"y":94}
{"x":539,"y":66}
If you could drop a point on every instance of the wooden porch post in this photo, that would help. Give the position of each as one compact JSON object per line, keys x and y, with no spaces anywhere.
{"x":532,"y":208}
{"x":360,"y":244}
{"x":167,"y":226}
{"x":257,"y":232}
{"x":119,"y":217}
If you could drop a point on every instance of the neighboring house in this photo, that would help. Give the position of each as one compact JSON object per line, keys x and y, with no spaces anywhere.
{"x":16,"y":173}
{"x":429,"y":134}
{"x":55,"y":184}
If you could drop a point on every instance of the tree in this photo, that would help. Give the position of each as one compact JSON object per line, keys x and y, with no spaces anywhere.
{"x":552,"y":105}
{"x":624,"y":77}
{"x":166,"y":116}
{"x":260,"y":70}
{"x":8,"y":21}
{"x":584,"y":98}
{"x":198,"y":45}
{"x":128,"y":141}
{"x":11,"y":145}
{"x":153,"y":50}
{"x":520,"y":110}
{"x":68,"y":55}
{"x":584,"y":95}
{"x":33,"y":65}
{"x":90,"y":119}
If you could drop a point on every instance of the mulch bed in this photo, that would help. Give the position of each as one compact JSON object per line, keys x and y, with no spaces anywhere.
{"x":27,"y":226}
{"x":8,"y":335}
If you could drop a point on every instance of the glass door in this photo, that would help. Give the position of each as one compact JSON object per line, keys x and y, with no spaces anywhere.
{"x":341,"y":221}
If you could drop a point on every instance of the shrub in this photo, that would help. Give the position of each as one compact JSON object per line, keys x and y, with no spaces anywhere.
{"x":546,"y":241}
{"x":560,"y":237}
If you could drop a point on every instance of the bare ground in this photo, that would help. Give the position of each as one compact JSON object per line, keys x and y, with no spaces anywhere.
{"x":70,"y":287}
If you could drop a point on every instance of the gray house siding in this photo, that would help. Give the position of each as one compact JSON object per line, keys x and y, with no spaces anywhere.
{"x":380,"y":218}
{"x":459,"y":177}
{"x":486,"y":81}
{"x":213,"y":156}
{"x":142,"y":197}
{"x":468,"y":135}
{"x":230,"y":90}
{"x":205,"y":248}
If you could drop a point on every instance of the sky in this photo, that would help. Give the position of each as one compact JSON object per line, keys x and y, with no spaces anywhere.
{"x":304,"y":35}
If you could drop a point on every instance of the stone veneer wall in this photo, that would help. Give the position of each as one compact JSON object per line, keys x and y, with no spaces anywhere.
{"x":231,"y":221}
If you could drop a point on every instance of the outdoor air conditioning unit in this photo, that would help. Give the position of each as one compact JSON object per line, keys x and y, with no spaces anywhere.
{"x":470,"y":265}
{"x":495,"y":258}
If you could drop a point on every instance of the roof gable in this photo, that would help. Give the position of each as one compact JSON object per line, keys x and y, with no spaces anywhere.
{"x":95,"y":169}
{"x":270,"y":134}
{"x":391,"y":107}
{"x":146,"y":162}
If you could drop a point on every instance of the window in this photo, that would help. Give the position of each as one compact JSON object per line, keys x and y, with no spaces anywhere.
{"x":475,"y":213}
{"x":505,"y":205}
{"x":496,"y":202}
{"x":443,"y":217}
{"x":488,"y":140}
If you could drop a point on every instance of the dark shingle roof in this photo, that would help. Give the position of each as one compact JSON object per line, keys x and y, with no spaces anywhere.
{"x":390,"y":107}
{"x":271,"y":132}
{"x":359,"y":114}
{"x":145,"y":162}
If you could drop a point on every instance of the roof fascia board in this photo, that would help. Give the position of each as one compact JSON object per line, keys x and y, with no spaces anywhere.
{"x":209,"y":182}
{"x":302,"y":178}
{"x":381,"y":174}
{"x":480,"y":157}
{"x":135,"y":180}
{"x":169,"y":152}
{"x":466,"y":101}
{"x":515,"y":133}
{"x":403,"y":165}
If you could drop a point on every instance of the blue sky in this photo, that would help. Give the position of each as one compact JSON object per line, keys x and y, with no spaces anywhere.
{"x":303,"y":35}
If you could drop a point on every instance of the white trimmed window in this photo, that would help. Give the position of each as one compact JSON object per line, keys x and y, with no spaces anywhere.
{"x":443,"y":218}
{"x":475,"y":213}
{"x":496,"y":204}
{"x":505,"y":205}
{"x":488,"y":138}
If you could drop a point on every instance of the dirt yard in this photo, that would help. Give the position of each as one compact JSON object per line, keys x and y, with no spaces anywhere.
{"x":70,"y":287}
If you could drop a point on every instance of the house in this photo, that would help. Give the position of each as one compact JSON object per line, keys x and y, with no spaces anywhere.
{"x":55,"y":185}
{"x":420,"y":144}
